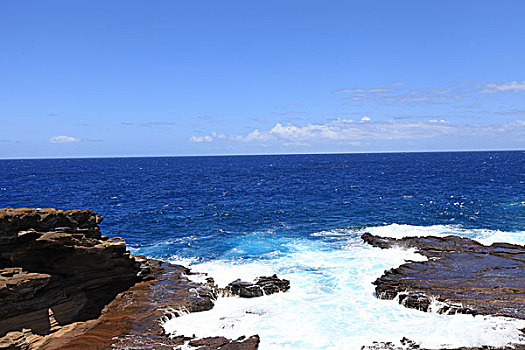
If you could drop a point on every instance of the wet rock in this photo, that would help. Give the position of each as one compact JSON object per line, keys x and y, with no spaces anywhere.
{"x":460,"y":276}
{"x":272,"y":284}
{"x":244,"y":289}
{"x":263,"y":285}
{"x":211,"y":343}
{"x":65,"y":286}
{"x":133,"y":318}
{"x":403,"y":344}
{"x":407,"y":344}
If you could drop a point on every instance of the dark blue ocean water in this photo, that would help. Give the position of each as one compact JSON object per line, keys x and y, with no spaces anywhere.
{"x":299,"y":216}
{"x":193,"y":206}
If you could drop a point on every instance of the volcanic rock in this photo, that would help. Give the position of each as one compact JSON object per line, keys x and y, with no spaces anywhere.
{"x":263,"y":285}
{"x":407,"y":344}
{"x":222,"y":343}
{"x":460,"y":276}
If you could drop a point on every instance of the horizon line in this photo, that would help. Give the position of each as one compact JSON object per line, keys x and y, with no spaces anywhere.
{"x":259,"y":154}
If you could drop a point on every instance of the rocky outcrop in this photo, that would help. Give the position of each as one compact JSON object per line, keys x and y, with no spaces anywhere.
{"x":65,"y":286}
{"x":264,"y":285}
{"x":407,"y":344}
{"x":56,"y":268}
{"x":222,"y":343}
{"x":460,"y":276}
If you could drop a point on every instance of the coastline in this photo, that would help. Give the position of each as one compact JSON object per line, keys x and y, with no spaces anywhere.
{"x":118,"y":301}
{"x":42,"y":249}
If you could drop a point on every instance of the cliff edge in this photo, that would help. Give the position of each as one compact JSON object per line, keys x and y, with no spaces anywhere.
{"x":65,"y":286}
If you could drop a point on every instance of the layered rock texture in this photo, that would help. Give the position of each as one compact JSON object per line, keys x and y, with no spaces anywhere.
{"x":56,"y":268}
{"x":65,"y":286}
{"x":460,"y":276}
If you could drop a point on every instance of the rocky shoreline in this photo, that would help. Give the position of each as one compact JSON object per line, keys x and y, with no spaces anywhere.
{"x":460,"y":276}
{"x":65,"y":286}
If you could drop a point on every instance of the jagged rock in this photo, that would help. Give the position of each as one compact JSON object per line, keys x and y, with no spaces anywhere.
{"x":133,"y":318}
{"x":244,"y":289}
{"x":461,"y":276}
{"x":272,"y":284}
{"x":222,"y":343}
{"x":404,"y":344}
{"x":263,"y":285}
{"x":407,"y":344}
{"x":65,"y":286}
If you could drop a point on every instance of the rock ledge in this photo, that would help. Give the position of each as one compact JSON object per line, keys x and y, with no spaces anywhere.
{"x":65,"y":286}
{"x":460,"y":276}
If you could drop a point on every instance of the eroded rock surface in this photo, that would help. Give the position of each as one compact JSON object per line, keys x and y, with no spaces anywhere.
{"x":222,"y":343}
{"x":263,"y":285}
{"x":65,"y":286}
{"x":407,"y":344}
{"x":463,"y":275}
{"x":56,"y":268}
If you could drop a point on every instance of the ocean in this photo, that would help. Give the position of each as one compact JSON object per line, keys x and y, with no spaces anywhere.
{"x":301,"y":217}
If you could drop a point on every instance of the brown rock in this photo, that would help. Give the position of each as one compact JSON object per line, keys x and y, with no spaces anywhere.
{"x":57,"y":263}
{"x":65,"y":286}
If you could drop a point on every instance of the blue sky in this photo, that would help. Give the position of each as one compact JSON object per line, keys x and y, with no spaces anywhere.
{"x":132,"y":78}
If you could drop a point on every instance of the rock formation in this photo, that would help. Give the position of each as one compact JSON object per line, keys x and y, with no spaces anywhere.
{"x":65,"y":286}
{"x":56,"y":268}
{"x":462,"y":275}
{"x":407,"y":344}
{"x":263,"y":285}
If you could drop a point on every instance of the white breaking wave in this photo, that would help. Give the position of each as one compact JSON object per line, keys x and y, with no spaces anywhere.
{"x":483,"y":236}
{"x":331,"y":303}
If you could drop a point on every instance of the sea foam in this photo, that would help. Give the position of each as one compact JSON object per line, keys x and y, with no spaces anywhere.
{"x":331,"y":303}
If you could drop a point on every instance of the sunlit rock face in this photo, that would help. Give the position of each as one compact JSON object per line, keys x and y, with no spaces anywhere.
{"x":65,"y":286}
{"x":57,"y":268}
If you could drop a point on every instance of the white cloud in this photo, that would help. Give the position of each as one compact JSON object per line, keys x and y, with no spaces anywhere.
{"x":511,"y":86}
{"x":219,"y":136}
{"x":205,"y":138}
{"x":347,"y":130}
{"x":365,"y":119}
{"x":62,"y":139}
{"x":255,"y":135}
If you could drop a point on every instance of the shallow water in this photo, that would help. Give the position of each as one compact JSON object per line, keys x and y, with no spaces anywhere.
{"x":331,"y":303}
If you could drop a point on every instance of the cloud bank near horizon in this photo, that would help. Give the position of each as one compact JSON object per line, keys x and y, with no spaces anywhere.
{"x":346,"y":130}
{"x":63,"y":139}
